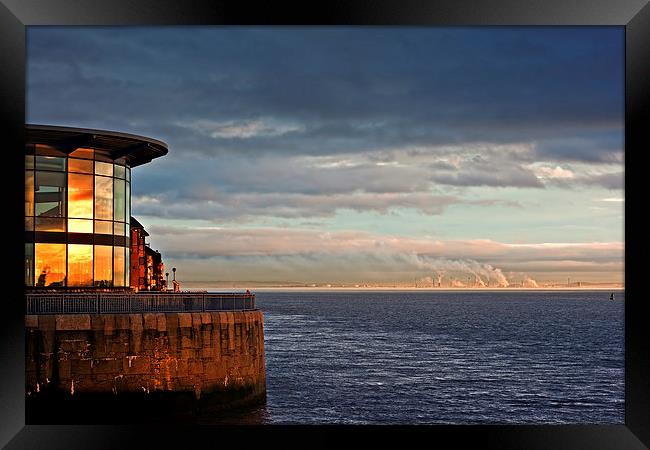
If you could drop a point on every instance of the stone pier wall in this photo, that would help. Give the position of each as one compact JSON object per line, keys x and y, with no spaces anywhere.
{"x":218,"y":355}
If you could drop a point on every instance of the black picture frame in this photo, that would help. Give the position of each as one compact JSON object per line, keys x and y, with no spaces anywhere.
{"x":634,"y":15}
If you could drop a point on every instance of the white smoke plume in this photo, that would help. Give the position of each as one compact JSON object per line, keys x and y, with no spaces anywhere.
{"x":529,"y":282}
{"x":480,"y":272}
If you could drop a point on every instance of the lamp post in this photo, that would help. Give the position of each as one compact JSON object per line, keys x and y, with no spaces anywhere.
{"x":174,"y":270}
{"x":167,"y":280}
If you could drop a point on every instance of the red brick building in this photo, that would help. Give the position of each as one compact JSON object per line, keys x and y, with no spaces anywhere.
{"x":147,"y":268}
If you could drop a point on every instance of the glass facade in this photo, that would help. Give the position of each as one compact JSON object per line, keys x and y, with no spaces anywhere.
{"x":77,"y":214}
{"x":50,"y":264}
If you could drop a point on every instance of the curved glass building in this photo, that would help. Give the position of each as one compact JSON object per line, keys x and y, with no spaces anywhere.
{"x":78,"y":205}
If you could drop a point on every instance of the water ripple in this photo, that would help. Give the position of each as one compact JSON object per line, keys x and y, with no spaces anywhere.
{"x":443,"y":358}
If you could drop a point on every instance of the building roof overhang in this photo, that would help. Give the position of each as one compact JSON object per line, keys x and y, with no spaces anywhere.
{"x":137,"y":150}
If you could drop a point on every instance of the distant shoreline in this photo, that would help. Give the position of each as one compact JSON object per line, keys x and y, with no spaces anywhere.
{"x":398,"y":288}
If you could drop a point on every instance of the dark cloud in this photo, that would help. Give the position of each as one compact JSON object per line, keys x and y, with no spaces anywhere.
{"x":245,"y":207}
{"x":345,"y":89}
{"x":302,"y":122}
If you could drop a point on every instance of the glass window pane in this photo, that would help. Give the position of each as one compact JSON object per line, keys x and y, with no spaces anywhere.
{"x":80,"y":226}
{"x":127,"y":203}
{"x":127,"y":271}
{"x":49,"y":194}
{"x":50,"y":264}
{"x":80,"y":165}
{"x":29,"y":161}
{"x":120,"y":171}
{"x":80,"y":195}
{"x":118,"y":266}
{"x":103,"y":227}
{"x":50,"y":224}
{"x":29,"y":264}
{"x":80,"y":265}
{"x":103,"y":198}
{"x":103,"y":168}
{"x":127,"y":266}
{"x":29,"y":224}
{"x":29,"y":193}
{"x":84,"y":153}
{"x":50,"y":163}
{"x":118,"y":203}
{"x":119,"y":229}
{"x":103,"y":265}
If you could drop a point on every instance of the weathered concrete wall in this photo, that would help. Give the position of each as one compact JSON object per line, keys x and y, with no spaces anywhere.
{"x":198,"y":353}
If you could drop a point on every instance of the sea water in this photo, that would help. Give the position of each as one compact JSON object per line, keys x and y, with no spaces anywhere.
{"x":428,"y":357}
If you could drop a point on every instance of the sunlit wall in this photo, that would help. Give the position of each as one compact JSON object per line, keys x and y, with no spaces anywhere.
{"x":77,"y":214}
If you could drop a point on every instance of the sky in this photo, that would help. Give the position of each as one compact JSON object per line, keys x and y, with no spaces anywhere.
{"x":358,"y":154}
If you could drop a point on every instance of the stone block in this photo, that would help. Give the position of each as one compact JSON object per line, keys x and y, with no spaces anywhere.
{"x":215,"y":317}
{"x":66,"y":322}
{"x":65,"y":369}
{"x":96,"y":323}
{"x":182,"y":368}
{"x":196,"y":368}
{"x":206,"y":352}
{"x":206,"y":338}
{"x":186,"y":342}
{"x":135,"y":322}
{"x":80,"y":367}
{"x":122,"y":321}
{"x":31,"y":321}
{"x":150,"y":321}
{"x":135,"y":364}
{"x":187,"y":354}
{"x":107,"y":366}
{"x":184,"y":320}
{"x":212,"y":370}
{"x":172,"y":339}
{"x":47,"y":323}
{"x":109,"y":324}
{"x":161,"y":323}
{"x":171,"y":322}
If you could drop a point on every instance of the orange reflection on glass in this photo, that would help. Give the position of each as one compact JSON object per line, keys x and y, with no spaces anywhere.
{"x":50,"y":264}
{"x":80,"y":196}
{"x":103,"y":265}
{"x":80,"y":265}
{"x":29,"y":193}
{"x":80,"y":225}
{"x":103,"y":227}
{"x":80,"y":165}
{"x":85,"y":153}
{"x":118,"y":266}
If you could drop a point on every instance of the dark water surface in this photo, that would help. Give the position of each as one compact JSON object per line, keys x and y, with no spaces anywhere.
{"x":441,"y":357}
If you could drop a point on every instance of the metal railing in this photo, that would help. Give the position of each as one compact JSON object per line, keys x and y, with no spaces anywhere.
{"x":98,"y":303}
